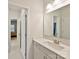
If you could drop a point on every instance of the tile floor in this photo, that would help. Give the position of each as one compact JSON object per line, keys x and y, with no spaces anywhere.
{"x":15,"y":50}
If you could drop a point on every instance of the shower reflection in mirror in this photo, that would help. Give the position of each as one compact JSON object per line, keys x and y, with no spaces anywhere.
{"x":55,"y":26}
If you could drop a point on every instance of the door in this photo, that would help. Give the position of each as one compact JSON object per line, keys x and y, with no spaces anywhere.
{"x":23,"y":33}
{"x":14,"y":28}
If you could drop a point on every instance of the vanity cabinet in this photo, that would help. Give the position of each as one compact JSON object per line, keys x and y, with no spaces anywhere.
{"x":38,"y":54}
{"x":41,"y":52}
{"x":59,"y":57}
{"x":48,"y":57}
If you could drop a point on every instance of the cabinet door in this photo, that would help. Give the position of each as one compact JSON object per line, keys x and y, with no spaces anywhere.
{"x":38,"y":54}
{"x":48,"y":57}
{"x":59,"y":57}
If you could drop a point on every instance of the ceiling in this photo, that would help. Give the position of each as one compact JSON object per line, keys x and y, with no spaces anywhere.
{"x":13,"y":7}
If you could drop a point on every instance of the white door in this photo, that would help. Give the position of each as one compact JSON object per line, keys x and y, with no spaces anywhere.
{"x":23,"y":33}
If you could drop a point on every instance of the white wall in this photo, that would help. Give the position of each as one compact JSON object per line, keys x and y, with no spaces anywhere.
{"x":13,"y":13}
{"x":35,"y":21}
{"x":48,"y":25}
{"x":65,"y":26}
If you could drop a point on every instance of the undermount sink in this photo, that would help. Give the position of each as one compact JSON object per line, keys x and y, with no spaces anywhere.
{"x":54,"y":45}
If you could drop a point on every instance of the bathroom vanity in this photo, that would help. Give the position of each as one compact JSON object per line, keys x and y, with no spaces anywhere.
{"x":56,"y":35}
{"x":43,"y":49}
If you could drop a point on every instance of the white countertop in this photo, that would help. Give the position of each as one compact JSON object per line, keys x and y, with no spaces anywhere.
{"x":64,"y":52}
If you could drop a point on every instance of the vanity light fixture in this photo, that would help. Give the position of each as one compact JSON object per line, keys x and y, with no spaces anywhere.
{"x":49,"y":6}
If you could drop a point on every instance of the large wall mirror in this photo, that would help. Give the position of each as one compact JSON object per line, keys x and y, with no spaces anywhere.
{"x":57,"y":23}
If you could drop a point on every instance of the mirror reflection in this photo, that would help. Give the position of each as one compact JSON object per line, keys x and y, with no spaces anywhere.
{"x":57,"y":23}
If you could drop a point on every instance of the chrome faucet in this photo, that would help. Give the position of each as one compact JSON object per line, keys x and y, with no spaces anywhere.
{"x":56,"y":41}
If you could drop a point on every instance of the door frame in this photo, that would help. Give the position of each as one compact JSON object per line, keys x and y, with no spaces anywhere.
{"x":28,"y":15}
{"x":25,"y":36}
